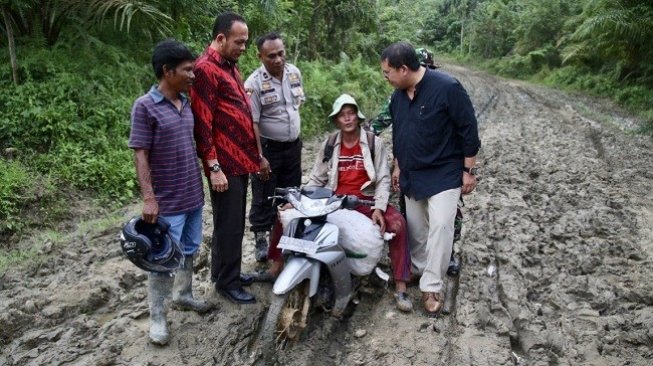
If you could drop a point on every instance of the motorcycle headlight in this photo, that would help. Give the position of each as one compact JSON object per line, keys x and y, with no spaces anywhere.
{"x":313,"y":208}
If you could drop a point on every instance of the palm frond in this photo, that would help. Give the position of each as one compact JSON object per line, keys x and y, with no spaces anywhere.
{"x":124,"y":12}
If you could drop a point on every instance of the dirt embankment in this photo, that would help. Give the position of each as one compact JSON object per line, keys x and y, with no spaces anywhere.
{"x":557,"y":254}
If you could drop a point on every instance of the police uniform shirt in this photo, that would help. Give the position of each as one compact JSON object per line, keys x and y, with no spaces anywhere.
{"x":275,"y":104}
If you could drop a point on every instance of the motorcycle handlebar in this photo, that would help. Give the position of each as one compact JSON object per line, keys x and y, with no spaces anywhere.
{"x":279,"y":193}
{"x":366,"y":202}
{"x":351,"y":202}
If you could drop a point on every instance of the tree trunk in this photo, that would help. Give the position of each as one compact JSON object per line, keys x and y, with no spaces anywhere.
{"x":12,"y":45}
{"x":313,"y":29}
{"x":471,"y":37}
{"x":462,"y":33}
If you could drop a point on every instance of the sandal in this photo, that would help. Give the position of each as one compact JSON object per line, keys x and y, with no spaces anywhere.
{"x":403,"y":302}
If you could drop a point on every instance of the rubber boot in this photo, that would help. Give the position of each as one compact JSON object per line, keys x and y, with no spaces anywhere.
{"x":182,"y":291}
{"x":159,"y":288}
{"x":261,"y":246}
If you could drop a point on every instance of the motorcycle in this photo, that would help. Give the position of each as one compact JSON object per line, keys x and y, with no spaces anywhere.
{"x":316,"y":273}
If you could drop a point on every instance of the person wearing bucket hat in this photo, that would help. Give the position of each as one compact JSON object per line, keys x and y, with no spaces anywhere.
{"x":358,"y":165}
{"x":169,"y":232}
{"x":435,"y":142}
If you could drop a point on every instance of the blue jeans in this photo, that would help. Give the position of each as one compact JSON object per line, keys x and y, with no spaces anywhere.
{"x":186,"y":228}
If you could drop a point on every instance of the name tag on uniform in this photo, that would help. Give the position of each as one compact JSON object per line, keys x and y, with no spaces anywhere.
{"x":267,"y":91}
{"x":293,"y":78}
{"x":272,"y":98}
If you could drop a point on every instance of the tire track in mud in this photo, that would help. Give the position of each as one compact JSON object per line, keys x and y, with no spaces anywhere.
{"x":548,"y":125}
{"x":556,"y":256}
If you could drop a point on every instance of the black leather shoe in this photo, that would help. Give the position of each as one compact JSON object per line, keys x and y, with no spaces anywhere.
{"x":246,"y":279}
{"x":238,"y":296}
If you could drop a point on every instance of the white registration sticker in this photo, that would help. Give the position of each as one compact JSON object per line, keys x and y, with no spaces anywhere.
{"x":298,"y":245}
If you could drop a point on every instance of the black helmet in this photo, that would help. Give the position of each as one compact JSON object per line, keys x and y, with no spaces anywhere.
{"x":150,"y":246}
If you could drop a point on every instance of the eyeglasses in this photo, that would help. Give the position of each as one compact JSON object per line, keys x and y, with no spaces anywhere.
{"x":389,"y":70}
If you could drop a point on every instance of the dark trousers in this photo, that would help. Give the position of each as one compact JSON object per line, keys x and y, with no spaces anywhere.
{"x":228,"y":231}
{"x":285,"y":160}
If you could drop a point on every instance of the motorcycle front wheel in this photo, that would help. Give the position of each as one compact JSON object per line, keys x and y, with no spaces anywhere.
{"x":287,"y":316}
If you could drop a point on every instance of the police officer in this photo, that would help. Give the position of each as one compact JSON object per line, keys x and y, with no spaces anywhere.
{"x":276,"y":93}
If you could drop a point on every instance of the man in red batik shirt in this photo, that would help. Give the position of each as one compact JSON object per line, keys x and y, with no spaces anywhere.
{"x":229,"y":148}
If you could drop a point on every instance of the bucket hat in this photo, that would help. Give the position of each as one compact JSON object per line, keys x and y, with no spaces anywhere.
{"x":343,"y":100}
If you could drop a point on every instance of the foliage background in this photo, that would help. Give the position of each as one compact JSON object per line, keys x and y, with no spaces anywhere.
{"x":71,"y":69}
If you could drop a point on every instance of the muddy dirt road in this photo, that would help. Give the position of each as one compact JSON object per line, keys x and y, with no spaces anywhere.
{"x":557,"y":251}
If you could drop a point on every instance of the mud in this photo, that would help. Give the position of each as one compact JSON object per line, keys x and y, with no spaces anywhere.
{"x":556,"y":254}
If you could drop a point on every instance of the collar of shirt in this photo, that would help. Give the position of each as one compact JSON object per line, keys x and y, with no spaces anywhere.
{"x":218,"y":59}
{"x":418,"y":86}
{"x":266,"y":75}
{"x":157,"y":97}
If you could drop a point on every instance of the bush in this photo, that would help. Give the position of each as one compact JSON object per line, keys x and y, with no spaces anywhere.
{"x":324,"y":81}
{"x":635,"y":97}
{"x":69,"y":120}
{"x":108,"y":170}
{"x":22,"y":190}
{"x":70,"y":117}
{"x":14,"y":183}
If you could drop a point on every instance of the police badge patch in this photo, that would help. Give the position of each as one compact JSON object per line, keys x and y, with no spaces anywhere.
{"x":266,"y":85}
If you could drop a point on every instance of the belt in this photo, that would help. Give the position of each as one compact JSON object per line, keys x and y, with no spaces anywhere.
{"x":279,"y":144}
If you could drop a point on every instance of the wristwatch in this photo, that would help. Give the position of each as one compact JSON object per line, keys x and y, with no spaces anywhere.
{"x":216,"y":168}
{"x":472,"y":170}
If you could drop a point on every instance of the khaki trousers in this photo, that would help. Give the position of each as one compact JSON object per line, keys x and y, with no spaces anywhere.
{"x":430,"y":235}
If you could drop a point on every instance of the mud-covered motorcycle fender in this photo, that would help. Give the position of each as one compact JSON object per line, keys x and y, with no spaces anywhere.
{"x":296,"y":270}
{"x":340,"y":272}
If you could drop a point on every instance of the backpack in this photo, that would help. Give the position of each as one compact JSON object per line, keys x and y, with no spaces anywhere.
{"x":331,"y":142}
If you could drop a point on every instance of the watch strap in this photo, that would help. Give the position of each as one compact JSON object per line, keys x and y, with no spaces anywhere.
{"x":471,"y":170}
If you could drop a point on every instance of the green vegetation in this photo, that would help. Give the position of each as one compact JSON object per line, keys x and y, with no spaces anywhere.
{"x":597,"y":46}
{"x":71,"y":69}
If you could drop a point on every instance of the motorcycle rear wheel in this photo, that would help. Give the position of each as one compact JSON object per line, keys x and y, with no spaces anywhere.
{"x":287,"y":316}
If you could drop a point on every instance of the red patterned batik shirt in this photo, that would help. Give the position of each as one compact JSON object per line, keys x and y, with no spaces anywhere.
{"x":223,"y":119}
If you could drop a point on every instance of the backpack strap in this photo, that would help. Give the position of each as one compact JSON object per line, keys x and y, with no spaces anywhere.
{"x":328,"y":149}
{"x":370,"y":142}
{"x":331,"y":142}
